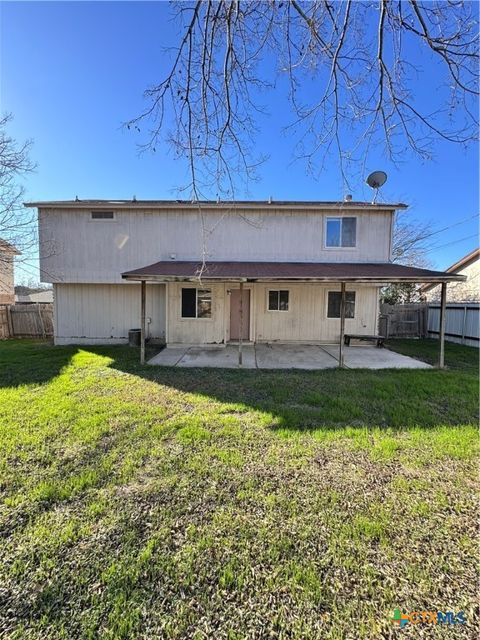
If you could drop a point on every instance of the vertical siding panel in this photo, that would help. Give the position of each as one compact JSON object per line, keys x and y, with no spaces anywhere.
{"x":306,"y":319}
{"x":105,"y":312}
{"x":93,"y":251}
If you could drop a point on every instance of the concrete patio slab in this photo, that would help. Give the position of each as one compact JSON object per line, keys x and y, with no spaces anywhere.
{"x":222,"y":357}
{"x":373,"y":358}
{"x":168,"y":357}
{"x":285,"y":356}
{"x":219,"y":357}
{"x":293,"y":356}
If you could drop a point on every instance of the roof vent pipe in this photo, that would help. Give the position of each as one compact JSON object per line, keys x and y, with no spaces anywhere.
{"x":348,"y":197}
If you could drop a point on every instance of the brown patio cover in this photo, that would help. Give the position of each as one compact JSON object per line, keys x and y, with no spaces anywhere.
{"x":174,"y":270}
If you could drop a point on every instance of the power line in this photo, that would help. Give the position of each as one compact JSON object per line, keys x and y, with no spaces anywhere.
{"x":455,"y":224}
{"x":417,"y":240}
{"x":447,"y":244}
{"x":433,"y":233}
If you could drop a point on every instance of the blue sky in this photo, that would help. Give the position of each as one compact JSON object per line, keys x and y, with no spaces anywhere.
{"x":72,"y":72}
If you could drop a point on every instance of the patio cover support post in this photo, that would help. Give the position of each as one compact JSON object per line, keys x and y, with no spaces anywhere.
{"x":443,"y":307}
{"x":240,"y":354}
{"x":142,"y":322}
{"x":341,"y":358}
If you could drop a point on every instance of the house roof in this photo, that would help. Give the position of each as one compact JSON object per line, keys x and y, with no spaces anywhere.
{"x":45,"y":296}
{"x":268,"y":271}
{"x":458,"y":266}
{"x":8,"y":247}
{"x":213,"y":204}
{"x":465,"y":261}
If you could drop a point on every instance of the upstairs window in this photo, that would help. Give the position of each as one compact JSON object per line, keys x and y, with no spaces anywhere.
{"x":196,"y":303}
{"x":103,"y":215}
{"x":278,"y":300}
{"x":341,"y":232}
{"x":335,"y":302}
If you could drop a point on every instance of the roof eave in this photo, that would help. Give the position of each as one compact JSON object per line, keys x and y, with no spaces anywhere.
{"x":142,"y":205}
{"x":360,"y":280}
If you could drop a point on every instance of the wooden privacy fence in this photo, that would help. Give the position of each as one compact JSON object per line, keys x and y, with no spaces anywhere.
{"x":461,"y":322}
{"x":403,"y":320}
{"x":26,"y":321}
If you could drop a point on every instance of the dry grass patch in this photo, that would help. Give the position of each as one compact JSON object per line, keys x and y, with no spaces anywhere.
{"x":141,"y":503}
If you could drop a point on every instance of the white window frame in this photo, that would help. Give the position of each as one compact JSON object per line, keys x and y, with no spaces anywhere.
{"x":196,"y":318}
{"x":339,"y":248}
{"x":92,"y":219}
{"x":339,"y":291}
{"x":277,"y":310}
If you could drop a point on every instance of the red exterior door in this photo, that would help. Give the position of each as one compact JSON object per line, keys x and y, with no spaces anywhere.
{"x":235,"y":314}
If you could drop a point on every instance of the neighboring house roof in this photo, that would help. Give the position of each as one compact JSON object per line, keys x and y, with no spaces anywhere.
{"x":8,"y":247}
{"x":39,"y":296}
{"x":213,"y":204}
{"x":318,"y":271}
{"x":464,"y":262}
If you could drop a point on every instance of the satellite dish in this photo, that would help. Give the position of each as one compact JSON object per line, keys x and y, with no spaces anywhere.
{"x":376,"y":180}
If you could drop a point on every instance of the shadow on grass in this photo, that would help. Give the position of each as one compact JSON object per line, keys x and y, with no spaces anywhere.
{"x":330,"y":398}
{"x":25,"y":361}
{"x":296,"y":400}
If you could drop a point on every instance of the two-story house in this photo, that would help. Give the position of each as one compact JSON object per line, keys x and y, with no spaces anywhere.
{"x":213,"y":273}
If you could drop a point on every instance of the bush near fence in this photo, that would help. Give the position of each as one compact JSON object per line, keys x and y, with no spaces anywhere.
{"x":26,"y":320}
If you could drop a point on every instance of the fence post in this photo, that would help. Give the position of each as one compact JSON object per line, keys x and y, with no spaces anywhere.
{"x":9,"y":321}
{"x":443,"y":313}
{"x":142,"y":320}
{"x":341,"y":359}
{"x":464,"y":326}
{"x":42,"y":326}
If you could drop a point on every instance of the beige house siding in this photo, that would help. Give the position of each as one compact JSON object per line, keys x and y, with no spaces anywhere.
{"x":74,"y":248}
{"x":103,"y":314}
{"x":195,"y":330}
{"x":7,"y":291}
{"x":468,"y":291}
{"x":305,"y":321}
{"x":85,"y":258}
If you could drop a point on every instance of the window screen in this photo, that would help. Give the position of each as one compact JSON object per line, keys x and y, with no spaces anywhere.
{"x":341,"y":232}
{"x":349,"y":232}
{"x":196,"y":303}
{"x":102,"y":215}
{"x":278,"y":300}
{"x":335,"y":301}
{"x":204,"y":303}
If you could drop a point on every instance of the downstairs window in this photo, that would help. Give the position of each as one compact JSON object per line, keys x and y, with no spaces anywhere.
{"x":335,"y":301}
{"x":196,"y":303}
{"x":278,"y":300}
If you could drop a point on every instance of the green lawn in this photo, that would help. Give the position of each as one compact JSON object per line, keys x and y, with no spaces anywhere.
{"x":143,"y":502}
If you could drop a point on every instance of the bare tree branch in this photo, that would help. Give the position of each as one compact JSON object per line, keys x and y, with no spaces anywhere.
{"x":353,"y":71}
{"x":17,"y":224}
{"x":364,"y":92}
